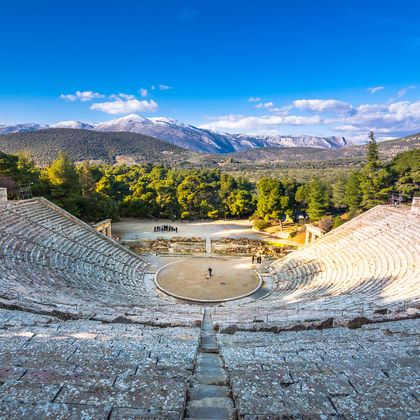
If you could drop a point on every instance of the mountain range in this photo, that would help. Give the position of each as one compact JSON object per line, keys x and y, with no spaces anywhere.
{"x":133,"y":148}
{"x":188,"y":136}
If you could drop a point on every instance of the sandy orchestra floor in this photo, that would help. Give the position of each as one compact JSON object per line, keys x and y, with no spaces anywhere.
{"x":231,"y":277}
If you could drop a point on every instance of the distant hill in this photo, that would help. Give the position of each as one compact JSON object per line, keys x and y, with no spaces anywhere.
{"x":387,"y":149}
{"x":131,"y":148}
{"x":108,"y":148}
{"x":190,"y":137}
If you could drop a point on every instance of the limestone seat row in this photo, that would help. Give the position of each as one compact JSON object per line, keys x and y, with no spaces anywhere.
{"x":52,"y":261}
{"x":367,"y":264}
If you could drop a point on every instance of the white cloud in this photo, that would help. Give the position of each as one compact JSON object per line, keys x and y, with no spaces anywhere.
{"x":85,"y":96}
{"x":143,"y":92}
{"x":393,"y":120}
{"x":402,"y":92}
{"x":240,"y":122}
{"x":322,"y":105}
{"x":372,"y":90}
{"x":123,"y":96}
{"x":266,"y":105}
{"x":120,"y":106}
{"x":153,"y":87}
{"x":389,"y":120}
{"x":164,"y":87}
{"x":252,"y":99}
{"x":284,"y":110}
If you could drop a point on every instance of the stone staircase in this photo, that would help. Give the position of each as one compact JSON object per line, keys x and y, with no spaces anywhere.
{"x":209,"y":395}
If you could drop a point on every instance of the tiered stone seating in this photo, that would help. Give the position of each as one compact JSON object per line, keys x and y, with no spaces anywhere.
{"x":367,"y":264}
{"x":53,"y":262}
{"x":83,"y":369}
{"x":86,"y":342}
{"x":336,"y":373}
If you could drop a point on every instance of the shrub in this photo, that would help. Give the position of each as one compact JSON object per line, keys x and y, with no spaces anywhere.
{"x":326,"y":223}
{"x":337,"y":221}
{"x":260,"y":224}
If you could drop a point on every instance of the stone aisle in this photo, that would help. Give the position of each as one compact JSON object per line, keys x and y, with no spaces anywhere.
{"x":208,"y":245}
{"x":209,"y":396}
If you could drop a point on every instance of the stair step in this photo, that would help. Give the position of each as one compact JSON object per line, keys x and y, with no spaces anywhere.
{"x":210,"y":370}
{"x":210,"y":396}
{"x":200,"y":391}
{"x":210,"y":412}
{"x":208,"y":340}
{"x":208,"y":359}
{"x":213,"y":350}
{"x":207,"y":379}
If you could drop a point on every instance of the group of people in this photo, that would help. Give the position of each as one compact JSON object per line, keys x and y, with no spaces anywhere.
{"x":165,"y":228}
{"x":258,"y":259}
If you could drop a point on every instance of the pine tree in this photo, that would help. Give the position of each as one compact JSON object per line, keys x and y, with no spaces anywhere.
{"x":63,"y":182}
{"x":353,"y":191}
{"x":87,"y":180}
{"x":372,"y":149}
{"x":318,"y":200}
{"x":339,"y":194}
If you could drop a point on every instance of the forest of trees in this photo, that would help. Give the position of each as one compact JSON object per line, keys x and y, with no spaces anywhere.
{"x":95,"y":192}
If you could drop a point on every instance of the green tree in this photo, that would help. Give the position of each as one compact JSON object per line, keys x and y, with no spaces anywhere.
{"x":339,"y":194}
{"x":63,"y":183}
{"x":241,"y":203}
{"x":97,"y":207}
{"x":353,"y":191}
{"x":372,"y":154}
{"x":318,"y":200}
{"x":302,"y":197}
{"x":271,"y":202}
{"x":405,"y":170}
{"x":87,"y":180}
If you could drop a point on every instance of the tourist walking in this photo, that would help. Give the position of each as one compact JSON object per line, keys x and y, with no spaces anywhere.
{"x":210,"y":271}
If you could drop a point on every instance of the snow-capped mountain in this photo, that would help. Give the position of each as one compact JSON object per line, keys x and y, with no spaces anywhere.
{"x":74,"y":124}
{"x":16,"y":128}
{"x":190,"y":137}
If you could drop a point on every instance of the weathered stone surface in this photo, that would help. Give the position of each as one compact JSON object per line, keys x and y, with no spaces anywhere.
{"x":333,"y":373}
{"x":51,"y":411}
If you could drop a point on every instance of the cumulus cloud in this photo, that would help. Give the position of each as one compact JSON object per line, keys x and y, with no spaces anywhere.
{"x":143,"y":92}
{"x":389,"y":120}
{"x":394,"y":120}
{"x":266,"y":105}
{"x":240,"y":122}
{"x":322,"y":105}
{"x":85,"y":96}
{"x":372,"y":90}
{"x":164,"y":87}
{"x":254,"y":99}
{"x":121,"y":106}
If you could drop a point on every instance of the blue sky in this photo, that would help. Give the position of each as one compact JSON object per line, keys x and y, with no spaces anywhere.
{"x":238,"y":66}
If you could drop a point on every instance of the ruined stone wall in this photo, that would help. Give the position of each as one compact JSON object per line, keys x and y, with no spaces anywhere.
{"x":170,"y":246}
{"x":3,"y":194}
{"x":224,"y":246}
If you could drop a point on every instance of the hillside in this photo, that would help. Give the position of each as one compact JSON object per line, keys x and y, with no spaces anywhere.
{"x":132,"y":148}
{"x":190,"y":137}
{"x":387,"y":149}
{"x":103,"y":147}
